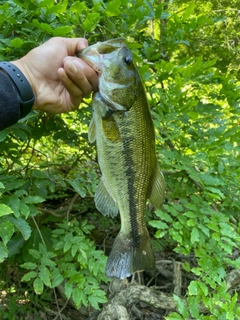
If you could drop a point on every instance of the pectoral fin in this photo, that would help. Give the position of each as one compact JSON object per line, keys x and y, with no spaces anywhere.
{"x":158,"y":190}
{"x":92,"y":131}
{"x":104,"y":201}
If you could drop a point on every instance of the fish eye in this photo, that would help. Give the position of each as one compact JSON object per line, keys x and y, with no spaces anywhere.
{"x":128,"y":60}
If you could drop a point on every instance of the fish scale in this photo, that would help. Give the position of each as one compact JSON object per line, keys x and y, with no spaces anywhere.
{"x":123,"y":129}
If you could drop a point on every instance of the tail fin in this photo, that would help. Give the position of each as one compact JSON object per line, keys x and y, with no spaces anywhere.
{"x":126,"y":257}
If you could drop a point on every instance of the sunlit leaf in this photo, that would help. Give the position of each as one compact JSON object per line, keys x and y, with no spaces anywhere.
{"x":38,"y":286}
{"x":91,"y":21}
{"x":62,"y":31}
{"x":193,"y":288}
{"x":6,"y":230}
{"x":4,"y":210}
{"x":113,"y":8}
{"x":188,"y":11}
{"x":16,"y":42}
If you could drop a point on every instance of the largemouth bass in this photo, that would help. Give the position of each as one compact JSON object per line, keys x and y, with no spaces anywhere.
{"x":123,"y":129}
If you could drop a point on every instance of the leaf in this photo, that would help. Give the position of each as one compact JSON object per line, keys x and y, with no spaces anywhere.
{"x":210,"y":180}
{"x":158,"y":11}
{"x":21,"y":134}
{"x":67,"y":246}
{"x":159,"y":234}
{"x":42,"y":26}
{"x":113,"y":8}
{"x":216,"y":191}
{"x":91,"y":21}
{"x":22,"y":226}
{"x":181,"y":306}
{"x":79,"y":188}
{"x":4,"y":210}
{"x":77,"y":7}
{"x":209,"y":63}
{"x":93,"y":301}
{"x":3,"y":135}
{"x":62,"y":31}
{"x":176,"y":235}
{"x":193,"y":288}
{"x":227,"y":229}
{"x":193,"y":306}
{"x":57,"y":279}
{"x":6,"y":230}
{"x":191,"y":222}
{"x":194,"y":235}
{"x":97,"y":297}
{"x":204,"y":288}
{"x":42,"y":249}
{"x":77,"y":297}
{"x":82,"y":257}
{"x":164,"y":15}
{"x":158,"y":224}
{"x":16,"y":42}
{"x":28,"y":276}
{"x":19,"y":193}
{"x":24,"y":209}
{"x":45,"y":275}
{"x":175,"y":316}
{"x":48,"y":262}
{"x":29,"y":265}
{"x":14,"y":183}
{"x":38,"y":286}
{"x":36,"y":254}
{"x":74,"y":250}
{"x":33,"y":199}
{"x":68,"y":289}
{"x":15,"y":244}
{"x":3,"y":252}
{"x":164,"y":216}
{"x":15,"y":205}
{"x":188,"y":11}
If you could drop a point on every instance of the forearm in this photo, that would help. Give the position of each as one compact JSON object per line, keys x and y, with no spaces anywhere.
{"x":16,"y":94}
{"x":9,"y":103}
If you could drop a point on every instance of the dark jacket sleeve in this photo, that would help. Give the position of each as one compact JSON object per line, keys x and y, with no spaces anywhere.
{"x":9,"y":103}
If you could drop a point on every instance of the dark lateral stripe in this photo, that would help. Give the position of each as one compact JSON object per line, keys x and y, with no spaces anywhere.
{"x":131,"y":175}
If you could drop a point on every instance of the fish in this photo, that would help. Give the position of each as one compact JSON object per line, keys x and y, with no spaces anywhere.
{"x":123,"y":129}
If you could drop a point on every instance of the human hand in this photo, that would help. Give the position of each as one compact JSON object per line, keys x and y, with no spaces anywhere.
{"x":58,"y":79}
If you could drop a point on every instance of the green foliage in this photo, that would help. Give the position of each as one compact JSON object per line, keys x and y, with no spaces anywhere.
{"x":188,"y":57}
{"x":73,"y":261}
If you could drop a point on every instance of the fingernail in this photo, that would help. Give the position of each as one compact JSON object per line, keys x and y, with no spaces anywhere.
{"x":72,"y":67}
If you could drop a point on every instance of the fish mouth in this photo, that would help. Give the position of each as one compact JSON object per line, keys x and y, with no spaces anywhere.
{"x":94,"y":54}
